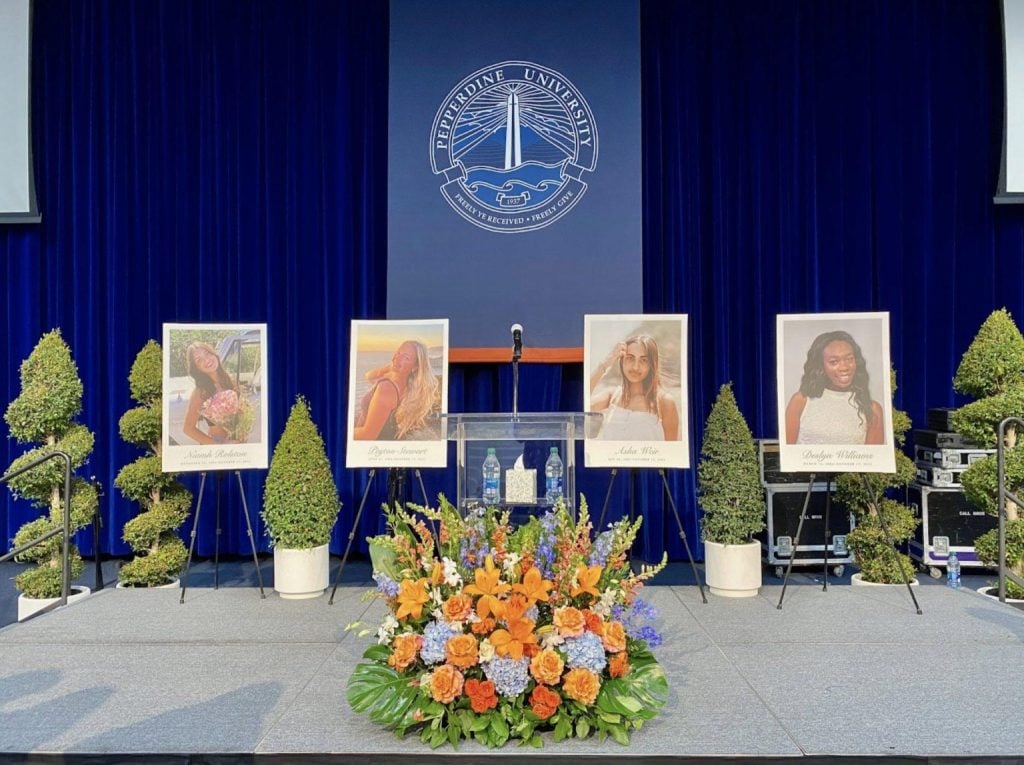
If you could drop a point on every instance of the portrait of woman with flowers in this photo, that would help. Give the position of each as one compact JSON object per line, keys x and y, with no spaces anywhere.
{"x":495,"y":633}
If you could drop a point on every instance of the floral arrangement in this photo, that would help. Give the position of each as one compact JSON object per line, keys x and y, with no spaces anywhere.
{"x":228,"y":410}
{"x":495,"y":633}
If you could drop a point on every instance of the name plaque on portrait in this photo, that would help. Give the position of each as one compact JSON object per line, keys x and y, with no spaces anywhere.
{"x":397,"y":393}
{"x":214,"y":397}
{"x":834,"y":393}
{"x":636,"y":379}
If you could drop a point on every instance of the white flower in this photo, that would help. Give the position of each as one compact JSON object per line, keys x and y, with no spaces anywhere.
{"x":438,"y":614}
{"x":486,"y":651}
{"x":510,"y":563}
{"x":551,"y":639}
{"x":436,"y":596}
{"x":603,"y":606}
{"x":451,"y":573}
{"x":387,"y":629}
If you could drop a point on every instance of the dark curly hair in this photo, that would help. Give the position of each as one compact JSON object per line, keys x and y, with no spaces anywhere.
{"x":814,"y":381}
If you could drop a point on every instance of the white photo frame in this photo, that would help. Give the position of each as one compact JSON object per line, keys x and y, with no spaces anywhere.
{"x":379,"y":433}
{"x":652,"y":429}
{"x":834,"y":393}
{"x":215,"y":394}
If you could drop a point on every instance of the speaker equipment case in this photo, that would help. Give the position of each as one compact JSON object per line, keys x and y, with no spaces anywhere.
{"x":933,"y":475}
{"x":940,"y":440}
{"x":941,"y":419}
{"x":950,"y":458}
{"x":948,"y":522}
{"x":785,"y":502}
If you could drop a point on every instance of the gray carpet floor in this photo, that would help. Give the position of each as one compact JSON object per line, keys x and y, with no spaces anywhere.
{"x":848,"y":672}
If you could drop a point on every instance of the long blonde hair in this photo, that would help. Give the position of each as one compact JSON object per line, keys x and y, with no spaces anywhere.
{"x":422,"y":394}
{"x":652,"y":383}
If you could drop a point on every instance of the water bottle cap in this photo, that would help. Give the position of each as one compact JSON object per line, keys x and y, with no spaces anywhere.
{"x":490,"y":450}
{"x":554,"y":450}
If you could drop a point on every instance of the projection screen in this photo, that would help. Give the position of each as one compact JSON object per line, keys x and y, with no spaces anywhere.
{"x":17,"y":186}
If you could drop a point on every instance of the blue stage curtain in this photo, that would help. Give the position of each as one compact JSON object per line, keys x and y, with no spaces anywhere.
{"x":226,"y":161}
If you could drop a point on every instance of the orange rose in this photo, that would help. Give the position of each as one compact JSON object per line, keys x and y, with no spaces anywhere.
{"x":461,"y":651}
{"x":446,"y":684}
{"x":457,"y":608}
{"x":544,"y":702}
{"x":613,"y":637}
{"x":481,"y":695}
{"x":593,"y":621}
{"x":569,"y":621}
{"x":582,"y":685}
{"x":546,"y":667}
{"x":618,"y":665}
{"x":483,"y":627}
{"x":404,"y":649}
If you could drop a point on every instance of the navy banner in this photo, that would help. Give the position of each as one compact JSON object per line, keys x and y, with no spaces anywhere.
{"x":514,"y":176}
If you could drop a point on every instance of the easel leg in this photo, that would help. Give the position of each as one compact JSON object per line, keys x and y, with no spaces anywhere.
{"x":828,"y":507}
{"x":796,"y":540}
{"x":248,"y":528}
{"x":192,"y":541}
{"x":682,"y":533}
{"x":216,"y":537}
{"x":888,"y":538}
{"x":352,"y":534}
{"x":97,"y":523}
{"x":607,"y":496}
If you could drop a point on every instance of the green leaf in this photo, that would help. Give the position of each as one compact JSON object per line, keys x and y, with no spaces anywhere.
{"x":381,"y":692}
{"x":582,"y":728}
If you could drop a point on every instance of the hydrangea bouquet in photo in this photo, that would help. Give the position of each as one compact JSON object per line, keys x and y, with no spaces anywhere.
{"x":231,"y":411}
{"x":496,"y":633}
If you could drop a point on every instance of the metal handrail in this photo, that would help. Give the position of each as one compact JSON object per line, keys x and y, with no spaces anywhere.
{"x":1005,"y":494}
{"x":65,"y":583}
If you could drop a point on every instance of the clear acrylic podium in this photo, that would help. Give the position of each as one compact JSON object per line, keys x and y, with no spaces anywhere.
{"x":530,"y":435}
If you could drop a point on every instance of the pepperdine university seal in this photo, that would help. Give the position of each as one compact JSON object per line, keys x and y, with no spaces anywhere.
{"x":512,"y":142}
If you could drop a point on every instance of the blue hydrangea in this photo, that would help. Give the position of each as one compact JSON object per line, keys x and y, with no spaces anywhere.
{"x":435,"y":635}
{"x":602,"y":548}
{"x":586,"y":652}
{"x":636,"y":620}
{"x":386,"y":585}
{"x":508,"y":675}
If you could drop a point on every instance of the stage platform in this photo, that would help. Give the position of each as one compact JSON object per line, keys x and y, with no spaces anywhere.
{"x":132,"y":676}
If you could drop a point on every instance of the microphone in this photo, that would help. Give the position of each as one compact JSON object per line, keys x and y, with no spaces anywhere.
{"x":517,"y":341}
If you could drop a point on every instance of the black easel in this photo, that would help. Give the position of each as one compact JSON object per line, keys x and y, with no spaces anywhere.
{"x":216,"y":554}
{"x":395,"y":493}
{"x":632,"y":515}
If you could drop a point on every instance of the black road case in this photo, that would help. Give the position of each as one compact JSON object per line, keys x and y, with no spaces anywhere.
{"x":948,"y":522}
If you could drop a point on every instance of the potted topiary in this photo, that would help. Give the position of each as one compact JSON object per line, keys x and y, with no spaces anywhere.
{"x":864,"y":495}
{"x":992,"y":371}
{"x":153,"y":534}
{"x":300,"y":507}
{"x":44,"y":412}
{"x":733,"y":501}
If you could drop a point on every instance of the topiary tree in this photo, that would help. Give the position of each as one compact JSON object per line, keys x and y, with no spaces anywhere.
{"x":864,"y":494}
{"x":300,"y":498}
{"x":153,"y":534}
{"x":43,"y":413}
{"x":992,"y":371}
{"x":728,"y":476}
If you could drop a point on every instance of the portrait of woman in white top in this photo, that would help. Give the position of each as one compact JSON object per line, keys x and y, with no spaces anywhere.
{"x":834,"y":403}
{"x":638,"y":409}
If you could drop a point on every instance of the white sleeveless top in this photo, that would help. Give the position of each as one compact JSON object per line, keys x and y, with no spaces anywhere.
{"x":626,"y":425}
{"x":832,"y":419}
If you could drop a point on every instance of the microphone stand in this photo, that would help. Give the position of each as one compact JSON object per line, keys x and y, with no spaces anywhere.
{"x":515,"y":382}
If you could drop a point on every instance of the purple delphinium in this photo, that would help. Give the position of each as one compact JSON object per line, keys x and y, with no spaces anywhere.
{"x":386,"y":585}
{"x":636,"y":620}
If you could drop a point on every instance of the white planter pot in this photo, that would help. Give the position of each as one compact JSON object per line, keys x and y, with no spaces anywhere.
{"x":857,"y":581}
{"x":301,"y":573}
{"x":993,"y":592}
{"x":733,"y":571}
{"x":28,"y":606}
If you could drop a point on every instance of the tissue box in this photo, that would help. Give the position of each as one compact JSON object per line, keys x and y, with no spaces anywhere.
{"x":521,"y":486}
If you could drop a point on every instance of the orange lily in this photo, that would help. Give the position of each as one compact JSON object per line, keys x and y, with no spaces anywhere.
{"x":511,"y":641}
{"x":534,"y":586}
{"x":489,"y":589}
{"x":586,"y":581}
{"x":411,"y":597}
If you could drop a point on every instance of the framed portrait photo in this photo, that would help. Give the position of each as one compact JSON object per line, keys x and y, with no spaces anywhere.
{"x":214,"y":397}
{"x":834,"y":393}
{"x":635,"y":369}
{"x":397,"y":392}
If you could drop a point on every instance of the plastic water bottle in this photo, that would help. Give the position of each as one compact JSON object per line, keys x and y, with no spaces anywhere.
{"x":492,"y":478}
{"x":953,"y":571}
{"x":553,"y":476}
